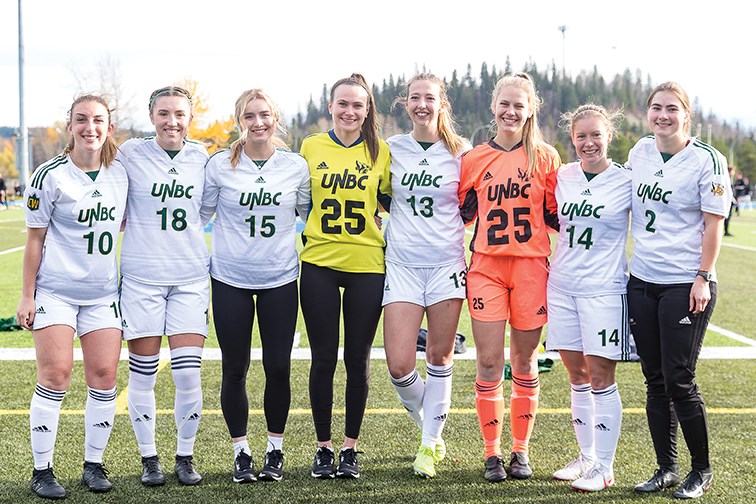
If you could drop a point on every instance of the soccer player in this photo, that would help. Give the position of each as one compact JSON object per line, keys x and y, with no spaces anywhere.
{"x":587,"y":301}
{"x":681,"y":195}
{"x":164,"y":286}
{"x":503,"y":185}
{"x":255,"y":191}
{"x":74,"y":208}
{"x":425,"y":261}
{"x":348,"y":166}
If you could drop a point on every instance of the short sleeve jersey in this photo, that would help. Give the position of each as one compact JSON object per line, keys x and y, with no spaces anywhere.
{"x":668,"y":204}
{"x":425,"y":228}
{"x":254,"y":233}
{"x":590,"y":258}
{"x":164,"y":240}
{"x":83,"y":219}
{"x":341,"y":232}
{"x":509,"y":205}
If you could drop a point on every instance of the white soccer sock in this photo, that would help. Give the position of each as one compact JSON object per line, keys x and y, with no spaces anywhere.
{"x":583,"y":419}
{"x":99,"y":415}
{"x":275,"y":443}
{"x":185,"y":366}
{"x":44,"y":413}
{"x":608,"y":424}
{"x":141,"y":396}
{"x":241,"y":446}
{"x":411,"y":390}
{"x":436,"y":403}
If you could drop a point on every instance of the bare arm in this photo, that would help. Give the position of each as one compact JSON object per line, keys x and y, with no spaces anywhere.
{"x":35,"y":240}
{"x":700,"y":294}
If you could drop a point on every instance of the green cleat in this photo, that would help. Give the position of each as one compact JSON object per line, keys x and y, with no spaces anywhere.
{"x":425,"y":462}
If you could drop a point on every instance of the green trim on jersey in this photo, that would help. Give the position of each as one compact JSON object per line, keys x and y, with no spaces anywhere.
{"x":92,"y":174}
{"x":260,"y":162}
{"x":196,"y":142}
{"x":426,"y":145}
{"x":217,"y":152}
{"x":666,"y":157}
{"x":712,"y":152}
{"x":589,"y":176}
{"x":172,"y":153}
{"x":42,"y":171}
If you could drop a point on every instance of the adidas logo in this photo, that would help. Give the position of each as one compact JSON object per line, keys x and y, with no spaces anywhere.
{"x":660,"y":173}
{"x":102,"y":425}
{"x":96,"y":194}
{"x":194,"y":416}
{"x":260,"y":180}
{"x":541,"y":311}
{"x":685,"y":321}
{"x":587,"y":192}
{"x":143,"y":418}
{"x":525,"y":416}
{"x":493,"y":422}
{"x":41,"y":428}
{"x":173,"y":171}
{"x":602,"y":427}
{"x":387,"y":288}
{"x":123,"y":323}
{"x":440,"y":418}
{"x":41,"y":310}
{"x":577,"y":421}
{"x":322,"y":166}
{"x":487,"y":176}
{"x":424,"y":162}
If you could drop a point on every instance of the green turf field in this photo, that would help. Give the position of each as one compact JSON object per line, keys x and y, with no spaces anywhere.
{"x":389,"y":439}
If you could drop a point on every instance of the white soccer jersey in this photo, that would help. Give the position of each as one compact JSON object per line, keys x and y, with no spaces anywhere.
{"x":590,"y":259}
{"x":668,"y":204}
{"x":425,"y":227}
{"x":83,"y":218}
{"x":254,"y":234}
{"x":164,"y":240}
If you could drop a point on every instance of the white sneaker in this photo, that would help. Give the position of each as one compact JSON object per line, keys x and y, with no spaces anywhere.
{"x":595,"y":480}
{"x":573,"y":470}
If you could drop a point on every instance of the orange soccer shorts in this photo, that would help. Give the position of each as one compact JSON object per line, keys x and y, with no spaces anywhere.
{"x":508,"y":288}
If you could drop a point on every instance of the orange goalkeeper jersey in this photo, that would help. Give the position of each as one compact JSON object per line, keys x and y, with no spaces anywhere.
{"x":510,"y":206}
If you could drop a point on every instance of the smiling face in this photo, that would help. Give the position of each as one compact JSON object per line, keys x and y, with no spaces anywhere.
{"x":424,"y":103}
{"x":348,"y":108}
{"x":591,"y":137}
{"x":171,"y":116}
{"x":667,"y":117}
{"x":512,"y":110}
{"x":89,"y":126}
{"x":260,"y":121}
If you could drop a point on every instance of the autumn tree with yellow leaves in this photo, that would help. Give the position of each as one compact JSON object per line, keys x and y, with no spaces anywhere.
{"x":216,"y":135}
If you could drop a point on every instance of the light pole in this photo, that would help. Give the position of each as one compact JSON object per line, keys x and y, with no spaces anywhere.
{"x":563,"y":28}
{"x":23,"y":134}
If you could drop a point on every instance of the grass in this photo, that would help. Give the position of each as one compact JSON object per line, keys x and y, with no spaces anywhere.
{"x":388,"y":436}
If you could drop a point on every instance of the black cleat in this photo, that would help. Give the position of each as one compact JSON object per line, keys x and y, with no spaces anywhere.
{"x":695,"y":484}
{"x":662,"y":478}
{"x":95,"y":477}
{"x":185,"y":470}
{"x":322,"y":466}
{"x":495,"y":471}
{"x":348,"y":465}
{"x":273,"y":468}
{"x":519,"y":466}
{"x":244,"y":468}
{"x":152,"y":472}
{"x":44,"y":484}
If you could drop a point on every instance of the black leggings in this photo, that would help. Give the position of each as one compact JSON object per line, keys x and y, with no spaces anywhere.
{"x":233,"y":315}
{"x":321,"y":304}
{"x":669,"y":340}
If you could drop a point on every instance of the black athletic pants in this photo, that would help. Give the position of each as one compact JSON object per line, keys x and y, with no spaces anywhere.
{"x":320,"y":296}
{"x":233,"y":315}
{"x":669,"y":340}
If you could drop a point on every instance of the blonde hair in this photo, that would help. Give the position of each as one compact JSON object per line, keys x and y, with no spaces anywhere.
{"x":677,"y":90}
{"x":369,"y":128}
{"x":109,"y":148}
{"x":532,"y":138}
{"x":241,"y":104}
{"x":610,"y":119}
{"x":446,"y":126}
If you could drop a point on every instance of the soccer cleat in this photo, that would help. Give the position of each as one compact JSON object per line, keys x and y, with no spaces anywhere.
{"x":573,"y":470}
{"x":439,"y":453}
{"x":519,"y":466}
{"x":596,"y":479}
{"x":185,"y":472}
{"x":662,"y":478}
{"x":322,"y":466}
{"x":152,"y":472}
{"x":495,"y":470}
{"x":95,"y":477}
{"x":244,"y":468}
{"x":273,"y":468}
{"x":44,"y":484}
{"x":348,"y":465}
{"x":695,"y":484}
{"x":425,"y":462}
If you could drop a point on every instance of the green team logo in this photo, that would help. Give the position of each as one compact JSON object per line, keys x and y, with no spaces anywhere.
{"x":33,"y":202}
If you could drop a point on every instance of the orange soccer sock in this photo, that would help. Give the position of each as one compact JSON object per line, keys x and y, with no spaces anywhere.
{"x":523,"y":404}
{"x":489,"y":402}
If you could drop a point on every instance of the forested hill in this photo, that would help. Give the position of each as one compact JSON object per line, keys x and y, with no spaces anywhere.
{"x":470,"y":93}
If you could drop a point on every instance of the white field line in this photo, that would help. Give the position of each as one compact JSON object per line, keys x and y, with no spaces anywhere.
{"x":10,"y":251}
{"x":732,"y":335}
{"x":741,"y":247}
